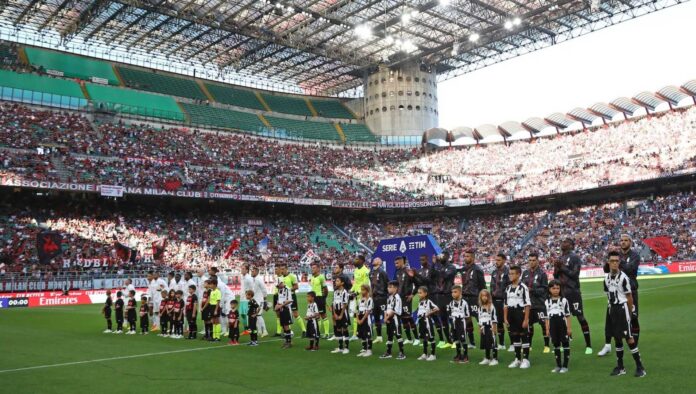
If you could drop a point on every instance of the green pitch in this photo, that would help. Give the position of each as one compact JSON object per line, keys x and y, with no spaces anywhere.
{"x":62,"y":349}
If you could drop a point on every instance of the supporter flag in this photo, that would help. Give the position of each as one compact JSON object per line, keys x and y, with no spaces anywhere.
{"x":661,"y":245}
{"x":48,"y":246}
{"x":123,"y":252}
{"x":172,"y":184}
{"x":308,"y":257}
{"x":234,"y":245}
{"x":158,"y":248}
{"x":263,"y":248}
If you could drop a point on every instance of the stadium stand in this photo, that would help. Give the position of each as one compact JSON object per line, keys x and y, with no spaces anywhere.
{"x":331,"y":109}
{"x":44,"y":90}
{"x":222,"y":117}
{"x":235,"y":96}
{"x":357,"y":132}
{"x":134,"y":102}
{"x":72,"y":66}
{"x":292,"y":128}
{"x":287,"y":104}
{"x":160,"y":83}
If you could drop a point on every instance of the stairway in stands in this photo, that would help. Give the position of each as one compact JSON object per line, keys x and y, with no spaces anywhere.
{"x":532,"y":233}
{"x":61,"y":169}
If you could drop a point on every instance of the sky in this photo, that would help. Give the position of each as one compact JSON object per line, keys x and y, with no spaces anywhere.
{"x":646,"y":53}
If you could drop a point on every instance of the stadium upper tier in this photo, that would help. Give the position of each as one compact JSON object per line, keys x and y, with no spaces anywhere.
{"x":86,"y":69}
{"x":91,"y":231}
{"x":191,"y":160}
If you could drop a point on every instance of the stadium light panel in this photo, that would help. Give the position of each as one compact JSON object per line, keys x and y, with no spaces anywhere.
{"x":508,"y":25}
{"x":388,"y":40}
{"x":406,"y":17}
{"x":517,"y":21}
{"x":445,"y":2}
{"x":363,"y":31}
{"x":474,"y":37}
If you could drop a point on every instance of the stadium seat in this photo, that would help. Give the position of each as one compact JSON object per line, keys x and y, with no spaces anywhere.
{"x":36,"y":89}
{"x":224,"y":118}
{"x":358,"y":133}
{"x":161,"y":83}
{"x":234,"y":96}
{"x":134,"y":102}
{"x":331,"y":109}
{"x":287,"y":104}
{"x":71,"y":66}
{"x":292,"y":128}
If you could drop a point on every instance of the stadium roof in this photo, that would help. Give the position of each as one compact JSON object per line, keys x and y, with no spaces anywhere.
{"x":317,"y":46}
{"x":644,"y":100}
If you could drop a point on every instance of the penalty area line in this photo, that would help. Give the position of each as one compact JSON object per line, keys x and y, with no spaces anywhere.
{"x":100,"y":360}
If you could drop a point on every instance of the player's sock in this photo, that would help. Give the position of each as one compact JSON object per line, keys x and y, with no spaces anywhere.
{"x":566,"y":356}
{"x":108,"y":324}
{"x":303,"y":327}
{"x":619,"y":354}
{"x":425,"y":347}
{"x":279,"y":329}
{"x":488,"y":352}
{"x":325,"y":324}
{"x":495,"y":352}
{"x":369,"y":343}
{"x":364,"y":344}
{"x":354,"y":325}
{"x":546,"y":341}
{"x":389,"y":346}
{"x":288,"y":336}
{"x":470,"y":334}
{"x":217,"y":330}
{"x":340,"y":342}
{"x":557,"y":354}
{"x":501,"y":338}
{"x":585,"y":331}
{"x":518,"y":350}
{"x":378,"y":329}
{"x":459,"y":348}
{"x":346,"y":339}
{"x":407,"y":330}
{"x":635,"y":329}
{"x":441,"y":334}
{"x":448,"y":339}
{"x":525,"y":346}
{"x":401,"y":345}
{"x":432,"y":346}
{"x":311,"y":343}
{"x":636,"y":354}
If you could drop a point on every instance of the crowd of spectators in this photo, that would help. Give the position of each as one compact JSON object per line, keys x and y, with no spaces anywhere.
{"x":149,"y":156}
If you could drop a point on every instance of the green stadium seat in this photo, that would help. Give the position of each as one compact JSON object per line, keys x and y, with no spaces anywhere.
{"x":234,"y":96}
{"x":43,"y":90}
{"x":161,"y":83}
{"x":331,"y":109}
{"x":224,"y":118}
{"x":71,"y":66}
{"x":358,"y":133}
{"x":134,"y":102}
{"x":291,"y":128}
{"x":287,"y":104}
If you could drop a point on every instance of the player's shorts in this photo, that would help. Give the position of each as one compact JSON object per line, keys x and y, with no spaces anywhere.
{"x":537,"y":316}
{"x":620,"y":319}
{"x":442,"y":301}
{"x":107,"y":313}
{"x":575,"y":303}
{"x":558,"y":330}
{"x":343,"y":323}
{"x":634,"y":293}
{"x":205,"y":313}
{"x":214,"y":312}
{"x":473,"y":305}
{"x":352,"y":307}
{"x":294,"y":305}
{"x":285,"y":317}
{"x":459,"y":328}
{"x":156,"y":306}
{"x":515,"y":319}
{"x":364,"y":329}
{"x":379,"y":305}
{"x":426,"y":328}
{"x":407,"y":309}
{"x":321,"y":303}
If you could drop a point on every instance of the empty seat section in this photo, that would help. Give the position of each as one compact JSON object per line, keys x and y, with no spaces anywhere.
{"x":357,"y":133}
{"x":36,"y":89}
{"x":287,"y":104}
{"x":291,"y":128}
{"x":161,"y":83}
{"x":234,"y":96}
{"x":72,"y":66}
{"x":224,"y":118}
{"x":331,"y":109}
{"x":134,"y":102}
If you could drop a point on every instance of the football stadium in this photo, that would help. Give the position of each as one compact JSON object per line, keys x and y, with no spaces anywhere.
{"x":291,"y":196}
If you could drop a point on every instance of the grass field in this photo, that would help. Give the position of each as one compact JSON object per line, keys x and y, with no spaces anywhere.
{"x":62,"y":349}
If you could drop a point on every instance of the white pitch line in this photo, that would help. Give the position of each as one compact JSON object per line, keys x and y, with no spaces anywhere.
{"x":648,"y":289}
{"x":122,"y":357}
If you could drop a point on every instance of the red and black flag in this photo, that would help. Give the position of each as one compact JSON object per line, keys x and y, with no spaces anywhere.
{"x":48,"y":246}
{"x":662,"y":246}
{"x":158,"y":248}
{"x":123,"y":252}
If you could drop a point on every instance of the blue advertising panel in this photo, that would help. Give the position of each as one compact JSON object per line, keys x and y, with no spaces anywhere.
{"x":411,"y":247}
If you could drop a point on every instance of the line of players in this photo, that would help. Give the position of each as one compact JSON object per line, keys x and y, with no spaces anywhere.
{"x":443,"y":307}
